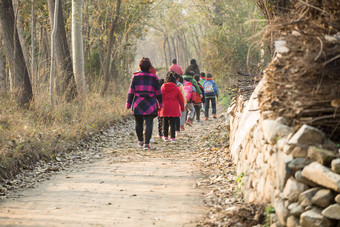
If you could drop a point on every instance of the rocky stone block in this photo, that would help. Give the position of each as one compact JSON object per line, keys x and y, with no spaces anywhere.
{"x":332,"y":212}
{"x":274,"y":130}
{"x":336,"y":166}
{"x":322,"y":176}
{"x":299,"y":152}
{"x":281,"y":211}
{"x":322,"y":156}
{"x":329,"y":144}
{"x":293,"y":189}
{"x":313,"y":218}
{"x":282,"y":170}
{"x":337,"y":199}
{"x":305,"y":198}
{"x":227,"y":122}
{"x":323,"y":198}
{"x":281,"y":143}
{"x":273,"y":218}
{"x":295,"y":209}
{"x":298,"y":164}
{"x":307,"y":135}
{"x":298,"y":176}
{"x":268,"y":189}
{"x":276,"y":224}
{"x":293,"y":221}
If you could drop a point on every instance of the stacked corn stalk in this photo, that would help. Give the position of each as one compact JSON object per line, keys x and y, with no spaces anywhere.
{"x":302,"y":83}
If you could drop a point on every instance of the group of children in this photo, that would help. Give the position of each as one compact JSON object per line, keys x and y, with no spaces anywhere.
{"x":183,"y":99}
{"x":175,"y":100}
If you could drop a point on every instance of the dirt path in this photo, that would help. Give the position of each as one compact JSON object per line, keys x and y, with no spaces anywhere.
{"x":126,"y":187}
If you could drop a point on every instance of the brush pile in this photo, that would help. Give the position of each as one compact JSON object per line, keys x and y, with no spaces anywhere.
{"x":302,"y":83}
{"x":244,"y":86}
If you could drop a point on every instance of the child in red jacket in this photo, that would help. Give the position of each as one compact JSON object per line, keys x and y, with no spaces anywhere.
{"x":173,"y":103}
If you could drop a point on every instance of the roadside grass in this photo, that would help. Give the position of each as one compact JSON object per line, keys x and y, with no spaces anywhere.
{"x":43,"y":131}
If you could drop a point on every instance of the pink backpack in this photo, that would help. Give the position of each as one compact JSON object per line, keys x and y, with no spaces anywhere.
{"x":189,"y":91}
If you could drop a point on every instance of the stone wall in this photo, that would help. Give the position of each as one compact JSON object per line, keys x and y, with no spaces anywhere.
{"x":296,"y":170}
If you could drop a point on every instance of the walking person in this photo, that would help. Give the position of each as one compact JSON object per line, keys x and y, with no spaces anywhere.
{"x":211,"y":93}
{"x":202,"y":78}
{"x":173,"y":103}
{"x":145,"y":98}
{"x":193,"y":67}
{"x":179,"y":83}
{"x":198,"y":100}
{"x":175,"y":67}
{"x":160,"y":118}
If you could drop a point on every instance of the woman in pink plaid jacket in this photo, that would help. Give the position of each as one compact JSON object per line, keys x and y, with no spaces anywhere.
{"x":145,"y":97}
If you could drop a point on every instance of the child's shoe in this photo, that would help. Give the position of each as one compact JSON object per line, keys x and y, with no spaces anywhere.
{"x":147,"y":147}
{"x":182,"y":127}
{"x":178,"y":133}
{"x":140,"y":144}
{"x":198,"y":121}
{"x":206,"y":118}
{"x":173,"y":140}
{"x":166,"y":139}
{"x":214,"y":116}
{"x":189,"y":122}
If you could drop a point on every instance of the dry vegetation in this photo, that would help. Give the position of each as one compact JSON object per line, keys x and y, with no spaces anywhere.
{"x":302,"y":81}
{"x":45,"y":130}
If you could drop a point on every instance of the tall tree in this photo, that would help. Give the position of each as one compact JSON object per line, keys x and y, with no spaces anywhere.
{"x":2,"y":69}
{"x":63,"y":55}
{"x":33,"y":76}
{"x":77,"y":45}
{"x":53,"y":52}
{"x":111,"y":41}
{"x":20,"y":29}
{"x":14,"y":53}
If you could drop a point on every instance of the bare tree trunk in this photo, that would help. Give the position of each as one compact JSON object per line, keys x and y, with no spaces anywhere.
{"x":63,"y":55}
{"x":187,"y":52}
{"x":110,"y":44}
{"x":88,"y":47}
{"x":197,"y":46}
{"x":169,"y":50}
{"x":77,"y":46}
{"x":174,"y":46}
{"x":20,"y":29}
{"x":14,"y":53}
{"x":2,"y":70}
{"x":165,"y":57}
{"x":53,"y":52}
{"x":33,"y":76}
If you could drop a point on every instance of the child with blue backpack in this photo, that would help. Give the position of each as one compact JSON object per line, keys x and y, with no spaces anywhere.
{"x":211,"y":93}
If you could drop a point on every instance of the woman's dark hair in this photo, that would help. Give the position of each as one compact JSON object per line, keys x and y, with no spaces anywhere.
{"x":170,"y":77}
{"x":193,"y":62}
{"x":174,"y":61}
{"x":161,"y":81}
{"x":202,"y":74}
{"x":145,"y":64}
{"x":197,"y":77}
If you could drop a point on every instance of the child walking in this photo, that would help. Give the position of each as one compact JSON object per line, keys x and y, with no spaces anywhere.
{"x":198,"y":100}
{"x":211,"y":93}
{"x":173,"y":103}
{"x":179,"y":122}
{"x":160,"y":118}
